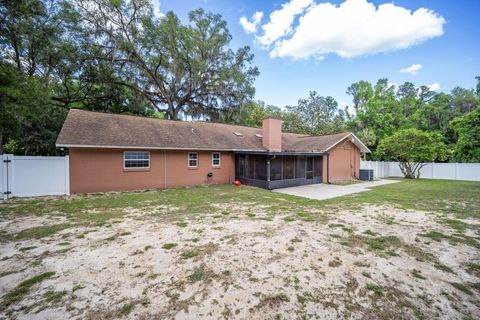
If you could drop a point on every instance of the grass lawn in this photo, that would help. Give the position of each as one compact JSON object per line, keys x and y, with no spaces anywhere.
{"x":229,"y":252}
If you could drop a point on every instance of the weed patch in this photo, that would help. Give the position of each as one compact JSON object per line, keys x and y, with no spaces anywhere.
{"x":24,"y":287}
{"x":462,"y":287}
{"x":168,"y":246}
{"x":418,"y":274}
{"x":41,"y":232}
{"x":55,"y":296}
{"x":126,"y":308}
{"x":273,"y":300}
{"x":376,"y":289}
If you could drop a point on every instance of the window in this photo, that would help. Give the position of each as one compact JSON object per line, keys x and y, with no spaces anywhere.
{"x":192,"y":159}
{"x":133,"y":160}
{"x":216,"y":159}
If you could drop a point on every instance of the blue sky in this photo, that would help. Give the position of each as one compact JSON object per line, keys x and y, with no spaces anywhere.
{"x":328,"y":47}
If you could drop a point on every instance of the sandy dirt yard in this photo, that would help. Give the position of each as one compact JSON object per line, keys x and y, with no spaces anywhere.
{"x":242,"y":262}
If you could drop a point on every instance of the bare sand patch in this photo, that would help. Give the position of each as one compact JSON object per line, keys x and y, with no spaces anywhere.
{"x":246,"y":268}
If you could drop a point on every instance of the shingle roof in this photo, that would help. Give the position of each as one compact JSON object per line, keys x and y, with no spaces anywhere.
{"x":95,"y":129}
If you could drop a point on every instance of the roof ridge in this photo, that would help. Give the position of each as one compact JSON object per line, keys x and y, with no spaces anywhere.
{"x":180,"y":121}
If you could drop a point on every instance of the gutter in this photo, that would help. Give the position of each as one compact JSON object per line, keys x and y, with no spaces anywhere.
{"x":141,"y":147}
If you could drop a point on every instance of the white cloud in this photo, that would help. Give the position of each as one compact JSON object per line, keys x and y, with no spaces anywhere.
{"x":413,"y":69}
{"x":434,"y":86}
{"x":280,"y":23}
{"x":156,"y":9}
{"x":355,"y":28}
{"x":251,"y":26}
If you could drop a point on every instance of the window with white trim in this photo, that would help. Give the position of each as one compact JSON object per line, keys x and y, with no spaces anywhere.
{"x":192,"y":159}
{"x":136,"y":159}
{"x":216,"y":159}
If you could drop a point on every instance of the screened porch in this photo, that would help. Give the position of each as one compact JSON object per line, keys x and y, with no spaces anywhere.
{"x":278,"y":170}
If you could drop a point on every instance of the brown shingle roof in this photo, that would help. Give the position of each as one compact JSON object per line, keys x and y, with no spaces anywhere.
{"x":86,"y":128}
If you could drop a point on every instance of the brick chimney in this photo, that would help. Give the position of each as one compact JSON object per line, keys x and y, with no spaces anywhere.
{"x":272,"y":134}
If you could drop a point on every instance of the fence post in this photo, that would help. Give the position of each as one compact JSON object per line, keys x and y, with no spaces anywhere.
{"x":67,"y":175}
{"x":4,"y":175}
{"x":7,"y":176}
{"x":433,"y":170}
{"x":456,"y":170}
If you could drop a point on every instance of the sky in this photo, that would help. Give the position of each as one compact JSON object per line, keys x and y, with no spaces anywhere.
{"x":304,"y":45}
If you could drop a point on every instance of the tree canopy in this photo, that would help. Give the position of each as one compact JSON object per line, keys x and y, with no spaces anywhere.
{"x":412,"y":148}
{"x":113,"y":56}
{"x":117,"y":56}
{"x":467,"y":128}
{"x":179,"y":69}
{"x":381,"y":110}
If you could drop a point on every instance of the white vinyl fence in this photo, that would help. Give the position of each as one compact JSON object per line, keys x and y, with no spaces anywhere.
{"x":449,"y":171}
{"x":22,"y":176}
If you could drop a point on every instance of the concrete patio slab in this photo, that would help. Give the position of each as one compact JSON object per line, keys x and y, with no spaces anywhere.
{"x":324,"y":191}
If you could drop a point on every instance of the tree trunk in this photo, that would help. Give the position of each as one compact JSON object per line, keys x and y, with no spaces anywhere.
{"x":174,"y":114}
{"x":408,"y":170}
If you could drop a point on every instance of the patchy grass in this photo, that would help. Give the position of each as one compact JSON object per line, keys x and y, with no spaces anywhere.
{"x":182,"y":224}
{"x":458,"y":197}
{"x":203,"y":274}
{"x":380,"y":243}
{"x":97,"y":209}
{"x":418,"y":274}
{"x":272,"y":300}
{"x":23,"y":249}
{"x":455,"y":224}
{"x":24,"y":287}
{"x":197,"y":275}
{"x":41,"y":232}
{"x":77,"y":287}
{"x":193,"y":210}
{"x":55,"y":296}
{"x":375,"y":288}
{"x":474,"y":268}
{"x":443,"y":267}
{"x":6,"y":273}
{"x":462,"y":198}
{"x":168,"y":246}
{"x":462,"y":287}
{"x":455,"y":238}
{"x":126,"y":308}
{"x":190,"y":254}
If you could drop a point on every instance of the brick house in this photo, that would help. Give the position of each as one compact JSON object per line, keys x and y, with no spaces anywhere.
{"x":113,"y":152}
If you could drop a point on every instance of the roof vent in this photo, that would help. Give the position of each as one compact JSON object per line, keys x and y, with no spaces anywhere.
{"x":258,"y":135}
{"x":238,"y":134}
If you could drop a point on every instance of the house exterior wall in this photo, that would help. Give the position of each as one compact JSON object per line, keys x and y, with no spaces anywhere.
{"x":344,"y":162}
{"x":102,"y":170}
